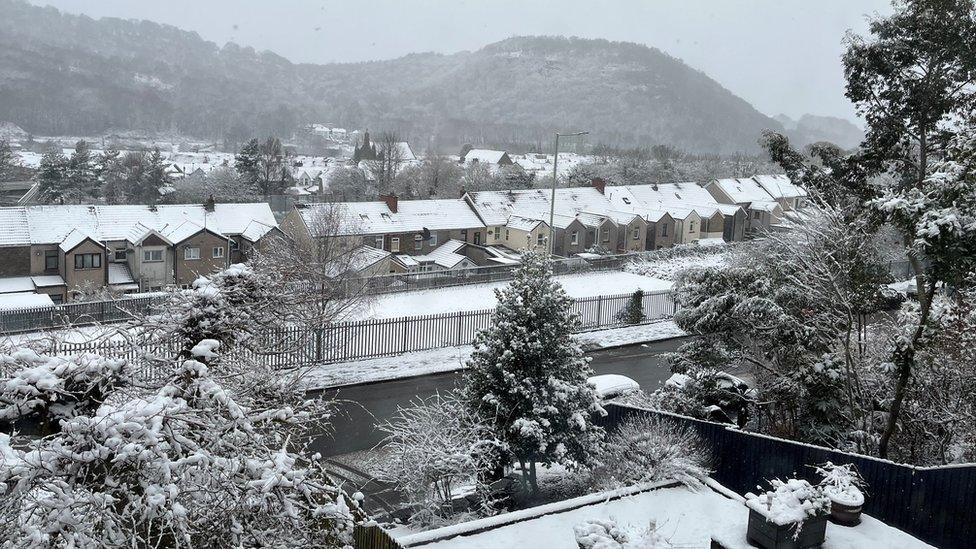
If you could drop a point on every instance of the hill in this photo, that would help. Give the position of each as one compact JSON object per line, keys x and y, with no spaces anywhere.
{"x":64,"y":74}
{"x":811,"y":128}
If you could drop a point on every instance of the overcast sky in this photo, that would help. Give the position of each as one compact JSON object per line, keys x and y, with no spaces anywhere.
{"x":783,"y":56}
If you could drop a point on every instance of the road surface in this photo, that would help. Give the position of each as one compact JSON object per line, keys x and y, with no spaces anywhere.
{"x":363,"y":405}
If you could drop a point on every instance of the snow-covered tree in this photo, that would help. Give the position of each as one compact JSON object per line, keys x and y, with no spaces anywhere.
{"x":213,"y":452}
{"x":52,"y":177}
{"x":434,"y":447}
{"x":82,"y":177}
{"x":527,"y":375}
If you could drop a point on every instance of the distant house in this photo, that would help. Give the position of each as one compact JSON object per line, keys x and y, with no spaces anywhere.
{"x":761,"y":208}
{"x":486,"y":157}
{"x":412,"y":227}
{"x":700,"y":215}
{"x":60,"y":250}
{"x":449,"y":256}
{"x":781,"y":188}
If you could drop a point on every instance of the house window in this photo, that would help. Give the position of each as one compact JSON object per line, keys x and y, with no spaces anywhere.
{"x":88,"y":261}
{"x":574,"y":239}
{"x":541,"y":239}
{"x":477,"y":238}
{"x":636,"y":233}
{"x":379,"y":242}
{"x":756,"y":215}
{"x":395,"y":244}
{"x":606,"y":235}
{"x":234,"y":246}
{"x":433,"y":239}
{"x":218,"y":252}
{"x":664,"y":230}
{"x":507,"y":234}
{"x":191,"y":253}
{"x":57,"y":299}
{"x":119,"y":254}
{"x":152,"y":256}
{"x":418,"y":242}
{"x":691,"y":226}
{"x":51,"y":260}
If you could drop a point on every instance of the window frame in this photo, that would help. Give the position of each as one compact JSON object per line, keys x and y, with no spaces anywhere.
{"x":150,"y":253}
{"x":395,"y":244}
{"x":89,"y":261}
{"x":691,"y":227}
{"x":605,"y":234}
{"x":115,"y":254}
{"x":574,"y":238}
{"x":215,"y":255}
{"x":664,"y":229}
{"x":378,"y":242}
{"x":186,"y":253}
{"x":48,"y":255}
{"x":418,"y":243}
{"x":637,"y":232}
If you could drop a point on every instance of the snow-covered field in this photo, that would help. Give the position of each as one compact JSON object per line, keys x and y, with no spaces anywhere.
{"x":683,"y":517}
{"x":482,"y":296}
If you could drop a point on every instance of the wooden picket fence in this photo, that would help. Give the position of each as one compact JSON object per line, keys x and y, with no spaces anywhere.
{"x":294,"y":346}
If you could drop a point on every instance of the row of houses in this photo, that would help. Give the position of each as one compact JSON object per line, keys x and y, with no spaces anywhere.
{"x":492,"y":227}
{"x":52,"y":254}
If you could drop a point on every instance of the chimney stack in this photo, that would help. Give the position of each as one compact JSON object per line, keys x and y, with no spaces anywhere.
{"x":391,"y":201}
{"x":209,"y":205}
{"x":599,"y":184}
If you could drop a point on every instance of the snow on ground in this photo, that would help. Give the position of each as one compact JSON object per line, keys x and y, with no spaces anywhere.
{"x":482,"y":296}
{"x":449,"y":359}
{"x":684,"y":518}
{"x":668,"y":267}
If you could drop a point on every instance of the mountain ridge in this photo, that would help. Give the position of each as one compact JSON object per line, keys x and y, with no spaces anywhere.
{"x":71,"y":74}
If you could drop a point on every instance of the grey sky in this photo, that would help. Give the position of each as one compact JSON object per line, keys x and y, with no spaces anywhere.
{"x":783,"y":56}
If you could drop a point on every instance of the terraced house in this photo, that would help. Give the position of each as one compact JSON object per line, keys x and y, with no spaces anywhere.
{"x":65,"y":251}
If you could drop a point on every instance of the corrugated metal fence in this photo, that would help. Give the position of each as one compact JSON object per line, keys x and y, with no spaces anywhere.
{"x":934,"y":504}
{"x":300,"y":346}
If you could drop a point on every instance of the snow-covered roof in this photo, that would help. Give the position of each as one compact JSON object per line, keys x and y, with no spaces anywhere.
{"x":375,"y":217}
{"x":255,"y":230}
{"x":10,"y":302}
{"x":495,"y":207}
{"x":119,"y":273}
{"x":23,"y":225}
{"x":523,"y":223}
{"x":484,"y":156}
{"x":21,"y":284}
{"x":366,"y":256}
{"x":446,"y":255}
{"x":678,"y":199}
{"x":47,"y":281}
{"x":179,"y":233}
{"x":779,"y":186}
{"x":73,"y":239}
{"x":743,"y":190}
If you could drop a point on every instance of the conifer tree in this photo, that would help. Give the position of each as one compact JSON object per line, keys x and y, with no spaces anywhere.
{"x":52,"y":177}
{"x":527,"y":377}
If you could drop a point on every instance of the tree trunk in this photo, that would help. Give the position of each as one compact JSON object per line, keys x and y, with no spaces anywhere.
{"x":905,"y":358}
{"x":533,"y":480}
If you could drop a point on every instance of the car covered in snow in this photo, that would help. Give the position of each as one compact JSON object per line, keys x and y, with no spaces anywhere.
{"x":612,"y":385}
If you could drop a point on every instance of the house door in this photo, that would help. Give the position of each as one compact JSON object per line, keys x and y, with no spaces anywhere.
{"x":477,"y":237}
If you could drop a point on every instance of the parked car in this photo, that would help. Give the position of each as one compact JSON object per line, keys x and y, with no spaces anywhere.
{"x":608,"y":386}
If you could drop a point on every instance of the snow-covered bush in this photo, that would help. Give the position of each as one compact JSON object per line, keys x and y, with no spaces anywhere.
{"x":187,"y":465}
{"x":842,"y":483}
{"x":435,"y":451}
{"x":669,"y":263}
{"x":648,"y":449}
{"x":527,"y":376}
{"x":51,"y":388}
{"x":790,"y":501}
{"x":605,"y":534}
{"x":633,"y":312}
{"x":701,"y":393}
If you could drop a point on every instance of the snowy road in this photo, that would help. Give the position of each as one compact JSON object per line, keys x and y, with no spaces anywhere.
{"x":354,"y":426}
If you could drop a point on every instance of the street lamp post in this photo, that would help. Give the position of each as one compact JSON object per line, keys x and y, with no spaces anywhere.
{"x":552,"y":202}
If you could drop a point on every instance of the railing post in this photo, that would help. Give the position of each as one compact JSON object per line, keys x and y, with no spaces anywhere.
{"x":599,"y":311}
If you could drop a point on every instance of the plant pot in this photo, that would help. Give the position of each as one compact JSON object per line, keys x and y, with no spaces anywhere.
{"x":845,"y":515}
{"x":770,"y":535}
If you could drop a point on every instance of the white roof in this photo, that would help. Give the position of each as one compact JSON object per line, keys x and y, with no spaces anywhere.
{"x":446,"y":255}
{"x":677,"y":199}
{"x":16,"y":284}
{"x":10,"y":302}
{"x":484,"y":156}
{"x":23,"y":225}
{"x":255,"y":230}
{"x":779,"y":186}
{"x":366,"y":256}
{"x":523,"y":223}
{"x":47,"y":281}
{"x":179,"y":233}
{"x":411,"y":216}
{"x":743,"y":190}
{"x":119,"y":273}
{"x":495,"y":207}
{"x":73,"y":239}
